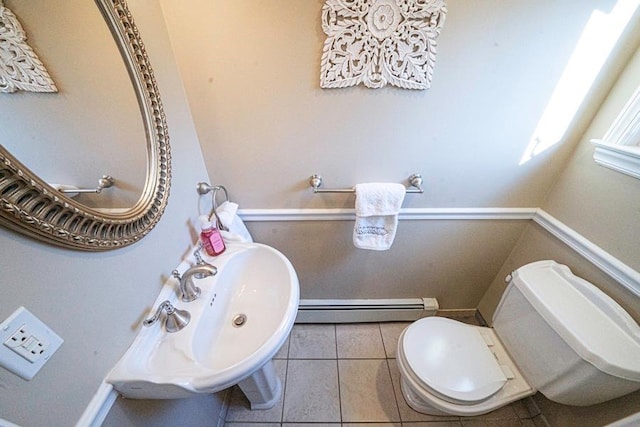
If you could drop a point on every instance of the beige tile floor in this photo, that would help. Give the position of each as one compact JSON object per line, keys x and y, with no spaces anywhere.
{"x":346,"y":375}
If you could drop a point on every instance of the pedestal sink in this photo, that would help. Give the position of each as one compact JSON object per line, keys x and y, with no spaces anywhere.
{"x":242,"y":317}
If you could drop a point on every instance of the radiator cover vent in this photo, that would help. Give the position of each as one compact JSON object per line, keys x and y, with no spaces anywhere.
{"x":365,"y":310}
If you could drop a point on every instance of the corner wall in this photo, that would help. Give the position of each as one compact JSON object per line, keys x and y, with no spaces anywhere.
{"x":598,"y":203}
{"x":603,"y":206}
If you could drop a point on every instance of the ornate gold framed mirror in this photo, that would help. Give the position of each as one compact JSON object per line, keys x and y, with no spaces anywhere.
{"x":31,"y":206}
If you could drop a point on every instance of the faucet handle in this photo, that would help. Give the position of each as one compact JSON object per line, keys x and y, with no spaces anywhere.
{"x":176,"y":319}
{"x":176,"y":275}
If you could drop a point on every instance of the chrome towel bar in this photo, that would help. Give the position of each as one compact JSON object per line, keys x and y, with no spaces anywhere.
{"x":415,"y":182}
{"x":106,"y":181}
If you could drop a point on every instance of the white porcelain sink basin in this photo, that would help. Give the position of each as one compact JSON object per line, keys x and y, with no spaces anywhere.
{"x":255,"y":283}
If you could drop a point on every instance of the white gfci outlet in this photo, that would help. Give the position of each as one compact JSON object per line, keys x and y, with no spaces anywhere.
{"x":27,"y":343}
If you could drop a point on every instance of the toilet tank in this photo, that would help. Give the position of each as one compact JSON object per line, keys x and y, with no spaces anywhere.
{"x":572,"y":342}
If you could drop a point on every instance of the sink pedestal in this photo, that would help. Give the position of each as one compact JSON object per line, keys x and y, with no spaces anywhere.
{"x":262,"y":388}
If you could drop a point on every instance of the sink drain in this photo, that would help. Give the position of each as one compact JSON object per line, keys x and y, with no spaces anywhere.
{"x":239,"y":320}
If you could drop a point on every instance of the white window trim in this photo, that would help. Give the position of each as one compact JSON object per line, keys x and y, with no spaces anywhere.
{"x":620,"y":148}
{"x":622,"y":158}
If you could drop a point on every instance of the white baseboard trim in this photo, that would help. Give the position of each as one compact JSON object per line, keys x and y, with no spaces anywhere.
{"x":99,"y":407}
{"x":408,"y":214}
{"x":610,"y":265}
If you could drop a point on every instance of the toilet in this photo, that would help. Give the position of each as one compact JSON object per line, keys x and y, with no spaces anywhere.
{"x":552,"y":332}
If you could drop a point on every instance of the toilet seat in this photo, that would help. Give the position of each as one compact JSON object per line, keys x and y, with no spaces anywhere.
{"x":452,"y":359}
{"x":454,"y":392}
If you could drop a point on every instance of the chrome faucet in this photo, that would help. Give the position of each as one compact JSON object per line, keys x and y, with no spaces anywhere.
{"x":188,"y":289}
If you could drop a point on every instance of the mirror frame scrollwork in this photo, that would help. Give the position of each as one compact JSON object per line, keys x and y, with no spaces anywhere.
{"x":30,"y":206}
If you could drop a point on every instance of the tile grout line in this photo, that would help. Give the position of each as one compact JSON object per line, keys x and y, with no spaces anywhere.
{"x":286,"y":375}
{"x":335,"y":337}
{"x":284,"y":386}
{"x":342,"y":358}
{"x":393,"y":389}
{"x":384,"y":348}
{"x":335,"y":334}
{"x":395,"y":395}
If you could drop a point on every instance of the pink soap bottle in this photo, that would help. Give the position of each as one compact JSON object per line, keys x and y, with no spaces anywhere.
{"x":211,"y":238}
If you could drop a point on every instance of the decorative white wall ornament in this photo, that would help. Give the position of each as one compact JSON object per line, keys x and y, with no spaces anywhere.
{"x":376,"y":42}
{"x":20,"y":68}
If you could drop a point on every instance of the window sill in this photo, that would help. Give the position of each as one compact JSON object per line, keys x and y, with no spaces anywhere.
{"x":622,"y":158}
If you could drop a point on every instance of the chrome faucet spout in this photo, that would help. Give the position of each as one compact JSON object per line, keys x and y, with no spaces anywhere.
{"x":188,"y":290}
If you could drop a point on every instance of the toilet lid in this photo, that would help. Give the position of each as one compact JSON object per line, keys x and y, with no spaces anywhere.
{"x":452,"y":359}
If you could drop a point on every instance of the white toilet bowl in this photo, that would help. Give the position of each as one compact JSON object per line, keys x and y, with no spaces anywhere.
{"x":552,"y":332}
{"x":460,"y":370}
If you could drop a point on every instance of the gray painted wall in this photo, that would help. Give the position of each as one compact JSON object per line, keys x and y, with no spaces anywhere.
{"x":251,"y":72}
{"x":96,"y":301}
{"x":451,"y":260}
{"x":600,"y":204}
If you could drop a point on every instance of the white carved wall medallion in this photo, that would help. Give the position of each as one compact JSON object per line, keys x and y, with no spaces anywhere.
{"x":20,"y":68}
{"x":376,"y":42}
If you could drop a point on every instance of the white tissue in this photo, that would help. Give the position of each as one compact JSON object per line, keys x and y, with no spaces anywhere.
{"x":237,"y":231}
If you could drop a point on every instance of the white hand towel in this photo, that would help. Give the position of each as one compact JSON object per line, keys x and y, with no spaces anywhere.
{"x":377,"y":207}
{"x":227,"y":213}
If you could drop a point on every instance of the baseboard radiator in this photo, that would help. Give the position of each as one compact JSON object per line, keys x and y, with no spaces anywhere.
{"x":365,"y":310}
